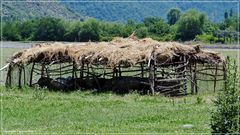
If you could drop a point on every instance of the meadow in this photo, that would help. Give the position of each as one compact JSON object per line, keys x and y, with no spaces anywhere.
{"x":35,"y":111}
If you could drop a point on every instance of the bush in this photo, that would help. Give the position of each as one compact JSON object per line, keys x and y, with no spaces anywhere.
{"x":206,"y":38}
{"x":225,"y":119}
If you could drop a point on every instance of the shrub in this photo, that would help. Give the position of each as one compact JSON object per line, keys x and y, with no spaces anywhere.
{"x":225,"y":119}
{"x":206,"y":38}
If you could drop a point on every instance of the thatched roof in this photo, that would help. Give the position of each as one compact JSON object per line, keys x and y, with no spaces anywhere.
{"x":125,"y":51}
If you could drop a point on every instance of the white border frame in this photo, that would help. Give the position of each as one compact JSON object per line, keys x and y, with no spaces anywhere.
{"x":110,"y":1}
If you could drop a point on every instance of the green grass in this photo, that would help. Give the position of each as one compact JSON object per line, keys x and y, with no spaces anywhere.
{"x":39,"y":111}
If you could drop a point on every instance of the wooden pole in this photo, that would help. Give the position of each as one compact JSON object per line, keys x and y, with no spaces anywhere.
{"x":31,"y":74}
{"x":119,"y":70}
{"x":73,"y":69}
{"x":152,"y":74}
{"x":42,"y":70}
{"x":24,"y":75}
{"x":215,"y":78}
{"x":9,"y":77}
{"x":184,"y":75}
{"x":96,"y":79}
{"x":192,"y":79}
{"x":142,"y":75}
{"x":87,"y":70}
{"x":20,"y":77}
{"x":195,"y":78}
{"x":81,"y":71}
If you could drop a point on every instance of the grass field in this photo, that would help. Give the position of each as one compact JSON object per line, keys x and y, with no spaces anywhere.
{"x":37,"y":111}
{"x":29,"y":111}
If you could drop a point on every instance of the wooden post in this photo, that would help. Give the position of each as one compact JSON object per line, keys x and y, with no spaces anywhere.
{"x":9,"y":77}
{"x":215,"y":78}
{"x":42,"y":71}
{"x":119,"y":70}
{"x":31,"y":74}
{"x":95,"y":78}
{"x":20,"y":77}
{"x":87,"y":70}
{"x":184,"y":75}
{"x":152,"y":73}
{"x":73,"y":69}
{"x":192,"y":79}
{"x":195,"y":78}
{"x":142,"y":74}
{"x":81,"y":71}
{"x":24,"y":75}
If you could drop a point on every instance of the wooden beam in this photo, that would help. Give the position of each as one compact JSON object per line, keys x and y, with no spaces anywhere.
{"x":9,"y":77}
{"x":184,"y":74}
{"x":24,"y":76}
{"x":119,"y":71}
{"x":152,"y":73}
{"x":192,"y":77}
{"x":31,"y":74}
{"x":142,"y":68}
{"x":20,"y":77}
{"x":195,"y":78}
{"x":215,"y":78}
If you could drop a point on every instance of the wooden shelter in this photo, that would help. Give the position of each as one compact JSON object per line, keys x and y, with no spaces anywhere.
{"x":120,"y":65}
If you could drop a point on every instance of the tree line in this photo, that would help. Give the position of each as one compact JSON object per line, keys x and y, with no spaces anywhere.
{"x":179,"y":26}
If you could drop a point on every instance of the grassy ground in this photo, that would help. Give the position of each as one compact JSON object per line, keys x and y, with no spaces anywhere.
{"x":40,"y":111}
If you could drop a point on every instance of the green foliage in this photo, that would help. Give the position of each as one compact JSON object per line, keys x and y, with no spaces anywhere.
{"x":11,"y":31}
{"x":49,"y":29}
{"x":142,"y":32}
{"x":173,"y":15}
{"x":159,"y":28}
{"x":90,"y":31}
{"x":190,"y":24}
{"x":72,"y":31}
{"x":225,"y":119}
{"x":27,"y":29}
{"x":206,"y":38}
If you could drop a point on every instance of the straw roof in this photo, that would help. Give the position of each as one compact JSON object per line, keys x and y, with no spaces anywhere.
{"x":125,"y":51}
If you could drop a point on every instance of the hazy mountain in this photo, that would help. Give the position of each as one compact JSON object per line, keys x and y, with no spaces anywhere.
{"x":22,"y":10}
{"x":137,"y":10}
{"x":109,"y":11}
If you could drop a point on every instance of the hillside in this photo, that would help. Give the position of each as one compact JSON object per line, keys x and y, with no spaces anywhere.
{"x":29,"y":10}
{"x":110,"y":11}
{"x":122,"y":11}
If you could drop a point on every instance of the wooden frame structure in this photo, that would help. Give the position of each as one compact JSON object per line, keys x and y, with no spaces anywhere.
{"x":169,"y":78}
{"x":121,"y":65}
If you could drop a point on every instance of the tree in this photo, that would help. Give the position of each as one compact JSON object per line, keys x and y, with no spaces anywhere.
{"x":27,"y":29}
{"x":142,"y":32}
{"x":190,"y":24}
{"x":173,"y":16}
{"x":49,"y":29}
{"x":225,"y":119}
{"x":90,"y":31}
{"x":11,"y":31}
{"x":148,"y":21}
{"x":72,"y":31}
{"x":159,"y":28}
